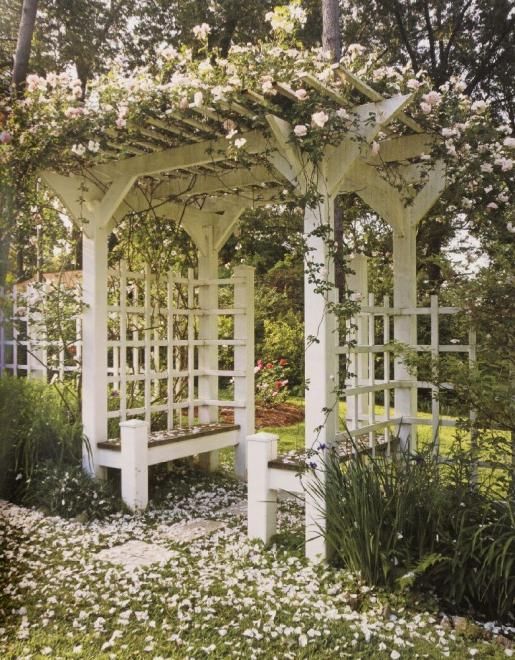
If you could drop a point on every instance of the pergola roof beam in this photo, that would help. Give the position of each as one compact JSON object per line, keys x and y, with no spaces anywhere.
{"x":312,"y":82}
{"x":286,"y":91}
{"x":340,"y":159}
{"x":371,"y":93}
{"x":188,"y":155}
{"x":208,"y":183}
{"x":261,"y":100}
{"x":201,"y":126}
{"x":281,"y":131}
{"x":404,"y":147}
{"x":237,"y":108}
{"x":179,"y":131}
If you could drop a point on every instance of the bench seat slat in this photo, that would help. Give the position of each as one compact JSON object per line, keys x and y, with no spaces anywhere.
{"x":176,"y":435}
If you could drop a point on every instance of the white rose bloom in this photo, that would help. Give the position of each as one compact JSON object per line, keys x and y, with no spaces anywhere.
{"x":79,"y":149}
{"x":201,"y":31}
{"x":319,"y":119}
{"x":432,"y":98}
{"x":300,"y":130}
{"x":478,"y":107}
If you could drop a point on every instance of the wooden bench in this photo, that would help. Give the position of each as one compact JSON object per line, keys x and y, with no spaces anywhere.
{"x":137,"y":449}
{"x":271,"y":473}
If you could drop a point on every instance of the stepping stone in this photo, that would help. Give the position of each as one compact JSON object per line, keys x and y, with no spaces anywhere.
{"x":238,"y":509}
{"x":184,"y":532}
{"x":134,"y":554}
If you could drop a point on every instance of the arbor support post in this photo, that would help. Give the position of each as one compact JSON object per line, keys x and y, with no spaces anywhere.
{"x":244,"y":362}
{"x":405,"y":328}
{"x":94,"y":346}
{"x":208,"y":329}
{"x":321,"y":366}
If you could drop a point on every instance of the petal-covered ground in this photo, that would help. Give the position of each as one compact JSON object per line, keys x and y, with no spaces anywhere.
{"x":217,"y":595}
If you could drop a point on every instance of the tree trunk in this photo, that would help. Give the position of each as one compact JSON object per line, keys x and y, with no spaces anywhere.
{"x":24,"y":43}
{"x":331,"y":41}
{"x":331,"y":38}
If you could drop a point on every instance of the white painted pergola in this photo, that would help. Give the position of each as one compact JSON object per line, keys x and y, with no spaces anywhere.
{"x":183,"y":169}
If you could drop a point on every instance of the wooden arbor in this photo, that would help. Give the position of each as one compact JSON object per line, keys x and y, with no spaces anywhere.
{"x":184,"y":168}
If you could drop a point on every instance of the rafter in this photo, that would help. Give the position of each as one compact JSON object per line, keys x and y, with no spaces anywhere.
{"x":188,"y":155}
{"x":371,"y":93}
{"x":228,"y":180}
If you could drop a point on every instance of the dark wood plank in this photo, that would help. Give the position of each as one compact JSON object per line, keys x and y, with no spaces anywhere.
{"x":176,"y":435}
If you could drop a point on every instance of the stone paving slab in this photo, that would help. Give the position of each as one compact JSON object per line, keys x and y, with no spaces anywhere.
{"x":184,"y":532}
{"x":134,"y":554}
{"x":238,"y":509}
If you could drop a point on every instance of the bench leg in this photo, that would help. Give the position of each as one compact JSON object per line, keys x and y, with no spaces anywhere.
{"x":262,"y":501}
{"x":209,"y":460}
{"x":134,"y":441}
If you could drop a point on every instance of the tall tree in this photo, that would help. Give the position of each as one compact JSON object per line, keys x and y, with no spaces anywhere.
{"x":331,"y":42}
{"x":331,"y":31}
{"x":24,"y":43}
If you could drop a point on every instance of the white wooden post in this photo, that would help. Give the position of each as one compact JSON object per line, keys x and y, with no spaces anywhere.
{"x":321,"y":366}
{"x":208,"y":329}
{"x":262,"y":501}
{"x":357,"y":283}
{"x":94,"y":337}
{"x":244,"y":362}
{"x":134,"y":464}
{"x":435,"y":391}
{"x":405,"y":327}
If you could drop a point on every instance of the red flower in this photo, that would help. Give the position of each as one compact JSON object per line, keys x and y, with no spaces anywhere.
{"x":283,"y":362}
{"x":269,"y":366}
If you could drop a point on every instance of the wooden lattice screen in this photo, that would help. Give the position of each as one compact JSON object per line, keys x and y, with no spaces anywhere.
{"x":369,"y":366}
{"x":31,"y":347}
{"x":166,"y":356}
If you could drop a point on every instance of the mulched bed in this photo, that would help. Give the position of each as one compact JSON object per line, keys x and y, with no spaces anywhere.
{"x":283,"y":414}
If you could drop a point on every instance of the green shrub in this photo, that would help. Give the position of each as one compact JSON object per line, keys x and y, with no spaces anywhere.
{"x":413,"y":522}
{"x":68,"y":491}
{"x":37,"y":423}
{"x":271,"y":382}
{"x":284,"y":338}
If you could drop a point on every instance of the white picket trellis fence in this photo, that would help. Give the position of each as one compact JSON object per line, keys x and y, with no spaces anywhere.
{"x":369,"y":366}
{"x":165,"y":337}
{"x":366,"y":358}
{"x":27,"y":346}
{"x":163,"y":346}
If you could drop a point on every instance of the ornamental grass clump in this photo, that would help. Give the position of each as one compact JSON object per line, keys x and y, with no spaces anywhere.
{"x":410,"y":522}
{"x":38,"y":422}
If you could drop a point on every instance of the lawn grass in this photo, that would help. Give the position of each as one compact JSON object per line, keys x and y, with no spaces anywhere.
{"x":291,"y":438}
{"x":220,"y":596}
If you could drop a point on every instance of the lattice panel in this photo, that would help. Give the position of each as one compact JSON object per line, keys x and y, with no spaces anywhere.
{"x":162,"y":353}
{"x":368,"y":363}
